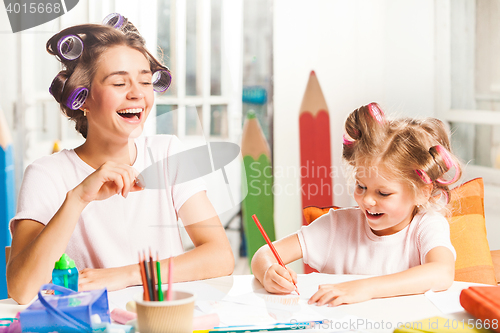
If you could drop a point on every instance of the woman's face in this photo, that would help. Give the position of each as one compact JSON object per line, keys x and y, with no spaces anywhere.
{"x":121,"y":95}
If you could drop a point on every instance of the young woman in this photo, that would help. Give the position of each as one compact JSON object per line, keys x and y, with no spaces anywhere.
{"x":87,"y":201}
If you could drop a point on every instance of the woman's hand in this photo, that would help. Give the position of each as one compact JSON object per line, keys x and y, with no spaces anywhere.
{"x":109,"y":179}
{"x":342,"y":293}
{"x":112,"y":278}
{"x":278,"y":280}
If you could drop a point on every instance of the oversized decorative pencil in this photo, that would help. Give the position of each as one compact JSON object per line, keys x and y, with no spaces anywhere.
{"x":170,"y":278}
{"x":315,"y":150}
{"x":258,"y":181}
{"x":7,"y":194}
{"x":271,"y":246}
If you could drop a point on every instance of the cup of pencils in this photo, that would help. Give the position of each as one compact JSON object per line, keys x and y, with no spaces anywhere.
{"x":158,"y":310}
{"x":166,"y":316}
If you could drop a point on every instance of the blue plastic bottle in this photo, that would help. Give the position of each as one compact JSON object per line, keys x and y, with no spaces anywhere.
{"x":65,"y":273}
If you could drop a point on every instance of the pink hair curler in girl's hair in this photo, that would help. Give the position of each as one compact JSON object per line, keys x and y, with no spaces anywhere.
{"x":70,"y":47}
{"x":376,"y":112}
{"x":347,"y":140}
{"x":423,"y":175}
{"x":161,"y":80}
{"x":449,"y":162}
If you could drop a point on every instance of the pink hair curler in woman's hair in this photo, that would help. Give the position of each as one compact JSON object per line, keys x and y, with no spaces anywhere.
{"x":376,"y":112}
{"x":423,"y":175}
{"x":161,"y":80}
{"x":70,"y":47}
{"x":449,"y":162}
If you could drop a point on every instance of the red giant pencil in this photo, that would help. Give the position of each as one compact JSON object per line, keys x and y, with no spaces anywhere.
{"x":315,"y":153}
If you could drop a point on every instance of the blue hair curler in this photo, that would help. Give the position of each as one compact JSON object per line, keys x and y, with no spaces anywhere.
{"x":77,"y":98}
{"x":114,"y":20}
{"x":70,"y":47}
{"x":161,"y":80}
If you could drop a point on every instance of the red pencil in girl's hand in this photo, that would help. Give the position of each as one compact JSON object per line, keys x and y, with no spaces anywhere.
{"x":271,"y":246}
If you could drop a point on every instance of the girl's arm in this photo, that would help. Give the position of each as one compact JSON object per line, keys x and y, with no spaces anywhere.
{"x":436,"y":274}
{"x":35,"y":247}
{"x":272,"y":275}
{"x":211,"y":257}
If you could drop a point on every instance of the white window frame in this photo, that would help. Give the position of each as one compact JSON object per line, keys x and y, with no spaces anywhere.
{"x":231,"y":67}
{"x":443,"y":91}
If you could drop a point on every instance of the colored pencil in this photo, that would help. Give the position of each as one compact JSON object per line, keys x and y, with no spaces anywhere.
{"x":170,"y":278}
{"x":148,"y":280}
{"x":271,"y":246}
{"x":315,"y":150}
{"x":143,"y":278}
{"x":152,"y":280}
{"x":158,"y":273}
{"x":7,"y":194}
{"x":257,"y":184}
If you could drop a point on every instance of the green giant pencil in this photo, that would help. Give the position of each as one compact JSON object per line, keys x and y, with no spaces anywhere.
{"x":258,"y":181}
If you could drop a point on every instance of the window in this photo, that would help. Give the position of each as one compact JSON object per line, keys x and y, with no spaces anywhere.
{"x":191,"y":40}
{"x":469,"y":78}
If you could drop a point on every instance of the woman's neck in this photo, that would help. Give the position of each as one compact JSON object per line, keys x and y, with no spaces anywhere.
{"x":96,"y":152}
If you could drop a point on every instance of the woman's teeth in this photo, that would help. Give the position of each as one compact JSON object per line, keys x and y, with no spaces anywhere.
{"x":129,"y":113}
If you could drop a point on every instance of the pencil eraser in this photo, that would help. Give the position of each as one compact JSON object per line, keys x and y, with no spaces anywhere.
{"x":122,"y":316}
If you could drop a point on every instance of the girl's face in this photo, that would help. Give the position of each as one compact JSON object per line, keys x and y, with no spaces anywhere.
{"x":388,"y":205}
{"x":121,"y":95}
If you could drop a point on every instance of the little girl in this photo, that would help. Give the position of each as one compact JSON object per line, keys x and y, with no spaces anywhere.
{"x":87,"y":201}
{"x":401,"y":172}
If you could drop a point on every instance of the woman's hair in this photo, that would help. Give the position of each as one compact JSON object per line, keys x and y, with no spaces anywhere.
{"x":415,"y":152}
{"x":80,"y":72}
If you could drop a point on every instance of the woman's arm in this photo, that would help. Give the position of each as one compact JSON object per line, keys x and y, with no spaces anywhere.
{"x":35,"y":247}
{"x":211,"y":257}
{"x":437,"y":273}
{"x":271,"y":275}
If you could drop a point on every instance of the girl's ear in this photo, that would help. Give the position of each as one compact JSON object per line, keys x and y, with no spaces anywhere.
{"x":425,"y":194}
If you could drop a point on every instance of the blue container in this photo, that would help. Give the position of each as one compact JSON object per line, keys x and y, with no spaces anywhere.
{"x":65,"y":273}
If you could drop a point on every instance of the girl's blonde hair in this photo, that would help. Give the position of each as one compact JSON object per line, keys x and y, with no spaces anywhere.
{"x":416,"y":152}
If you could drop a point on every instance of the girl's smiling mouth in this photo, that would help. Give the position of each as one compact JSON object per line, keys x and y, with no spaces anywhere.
{"x":372,"y":215}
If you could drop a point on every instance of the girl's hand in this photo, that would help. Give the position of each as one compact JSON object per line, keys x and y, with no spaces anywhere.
{"x":342,"y":293}
{"x":112,"y":278}
{"x":111,"y":178}
{"x":278,"y":280}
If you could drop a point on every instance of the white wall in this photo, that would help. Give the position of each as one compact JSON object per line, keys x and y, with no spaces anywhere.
{"x":361,"y":51}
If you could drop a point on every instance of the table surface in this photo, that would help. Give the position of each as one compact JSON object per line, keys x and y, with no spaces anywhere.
{"x":233,"y":296}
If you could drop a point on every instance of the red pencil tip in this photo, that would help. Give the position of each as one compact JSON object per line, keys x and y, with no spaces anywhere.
{"x":313,"y":73}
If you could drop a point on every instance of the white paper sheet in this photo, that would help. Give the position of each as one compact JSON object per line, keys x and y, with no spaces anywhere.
{"x":447,"y":301}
